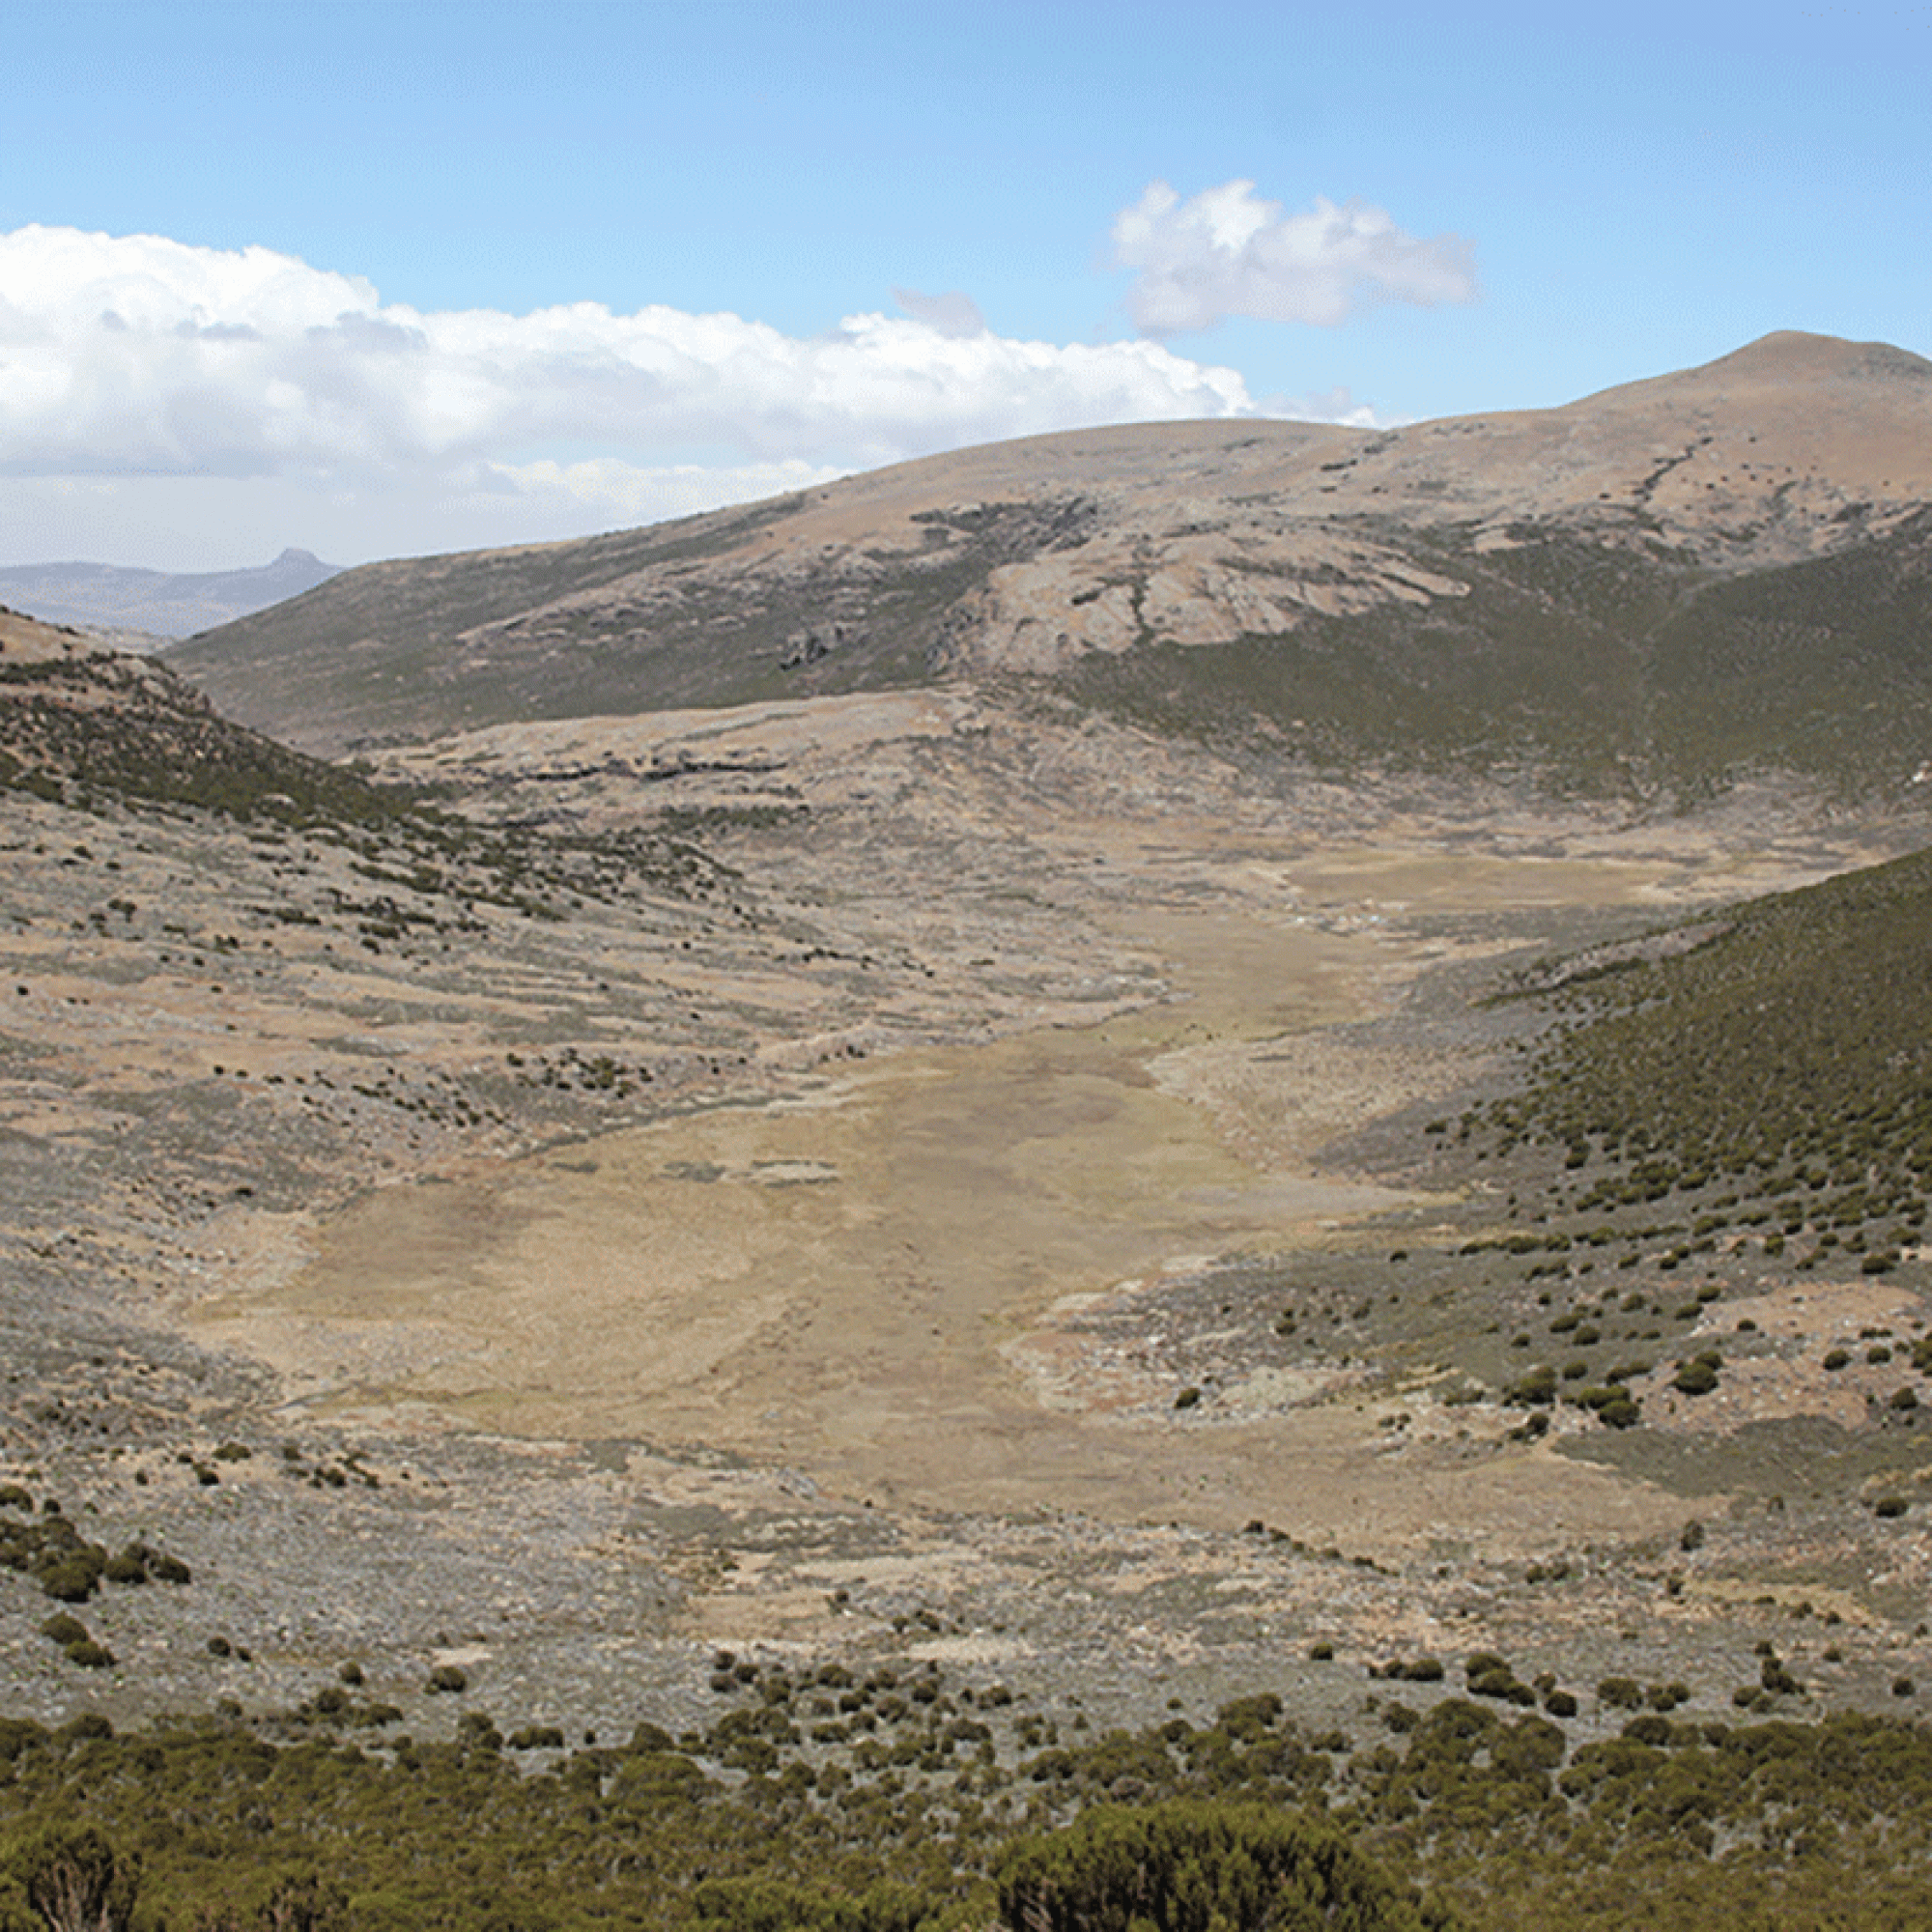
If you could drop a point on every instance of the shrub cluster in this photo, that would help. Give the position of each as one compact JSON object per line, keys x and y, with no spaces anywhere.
{"x":65,"y":1565}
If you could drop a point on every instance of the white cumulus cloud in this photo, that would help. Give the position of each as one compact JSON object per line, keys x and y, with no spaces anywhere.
{"x":1226,"y":251}
{"x":164,"y":403}
{"x":139,"y":353}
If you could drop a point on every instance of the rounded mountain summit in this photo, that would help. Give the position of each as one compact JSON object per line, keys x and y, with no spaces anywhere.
{"x":1652,"y":590}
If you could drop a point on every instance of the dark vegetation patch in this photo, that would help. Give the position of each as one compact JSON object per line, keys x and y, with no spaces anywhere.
{"x":65,"y":1564}
{"x":267,"y":667}
{"x":1786,"y":1061}
{"x":126,"y":729}
{"x":1607,"y":671}
{"x":948,"y":1810}
{"x":1509,"y":676}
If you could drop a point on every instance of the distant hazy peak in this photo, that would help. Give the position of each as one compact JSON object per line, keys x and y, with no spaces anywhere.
{"x":126,"y":601}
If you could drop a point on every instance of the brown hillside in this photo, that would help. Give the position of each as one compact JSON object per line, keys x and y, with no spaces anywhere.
{"x":1033,"y":557}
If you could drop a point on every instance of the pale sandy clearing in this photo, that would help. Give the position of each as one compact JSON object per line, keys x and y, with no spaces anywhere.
{"x":855,"y":1281}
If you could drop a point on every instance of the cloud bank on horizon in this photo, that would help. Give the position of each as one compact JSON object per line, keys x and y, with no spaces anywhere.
{"x":136,"y":371}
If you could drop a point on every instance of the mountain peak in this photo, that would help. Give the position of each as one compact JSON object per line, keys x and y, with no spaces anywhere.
{"x":1793,"y":356}
{"x":117,"y":599}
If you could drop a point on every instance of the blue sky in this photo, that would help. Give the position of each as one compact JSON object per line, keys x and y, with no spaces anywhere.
{"x":527,"y":271}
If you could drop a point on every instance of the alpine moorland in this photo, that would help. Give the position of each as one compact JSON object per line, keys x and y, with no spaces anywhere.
{"x":1175,"y":1175}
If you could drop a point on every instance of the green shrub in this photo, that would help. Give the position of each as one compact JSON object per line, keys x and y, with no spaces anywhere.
{"x":73,"y":1578}
{"x":1534,"y":1390}
{"x":1197,"y":1865}
{"x":1620,"y":1694}
{"x":1611,"y":1403}
{"x":476,"y":1731}
{"x":1503,"y":1684}
{"x":1649,"y":1729}
{"x":74,"y":1880}
{"x":757,"y":1755}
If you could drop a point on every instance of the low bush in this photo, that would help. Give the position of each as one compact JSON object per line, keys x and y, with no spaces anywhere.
{"x":1197,"y":1865}
{"x":1694,"y":1377}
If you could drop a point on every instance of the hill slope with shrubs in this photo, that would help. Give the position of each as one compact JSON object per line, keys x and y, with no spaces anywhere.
{"x":1787,"y":1053}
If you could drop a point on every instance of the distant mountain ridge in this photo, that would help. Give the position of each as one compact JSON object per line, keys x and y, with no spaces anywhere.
{"x":1651,"y":590}
{"x":125,"y":604}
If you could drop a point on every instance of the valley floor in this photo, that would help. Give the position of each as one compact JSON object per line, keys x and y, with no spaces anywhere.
{"x":990,"y":1220}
